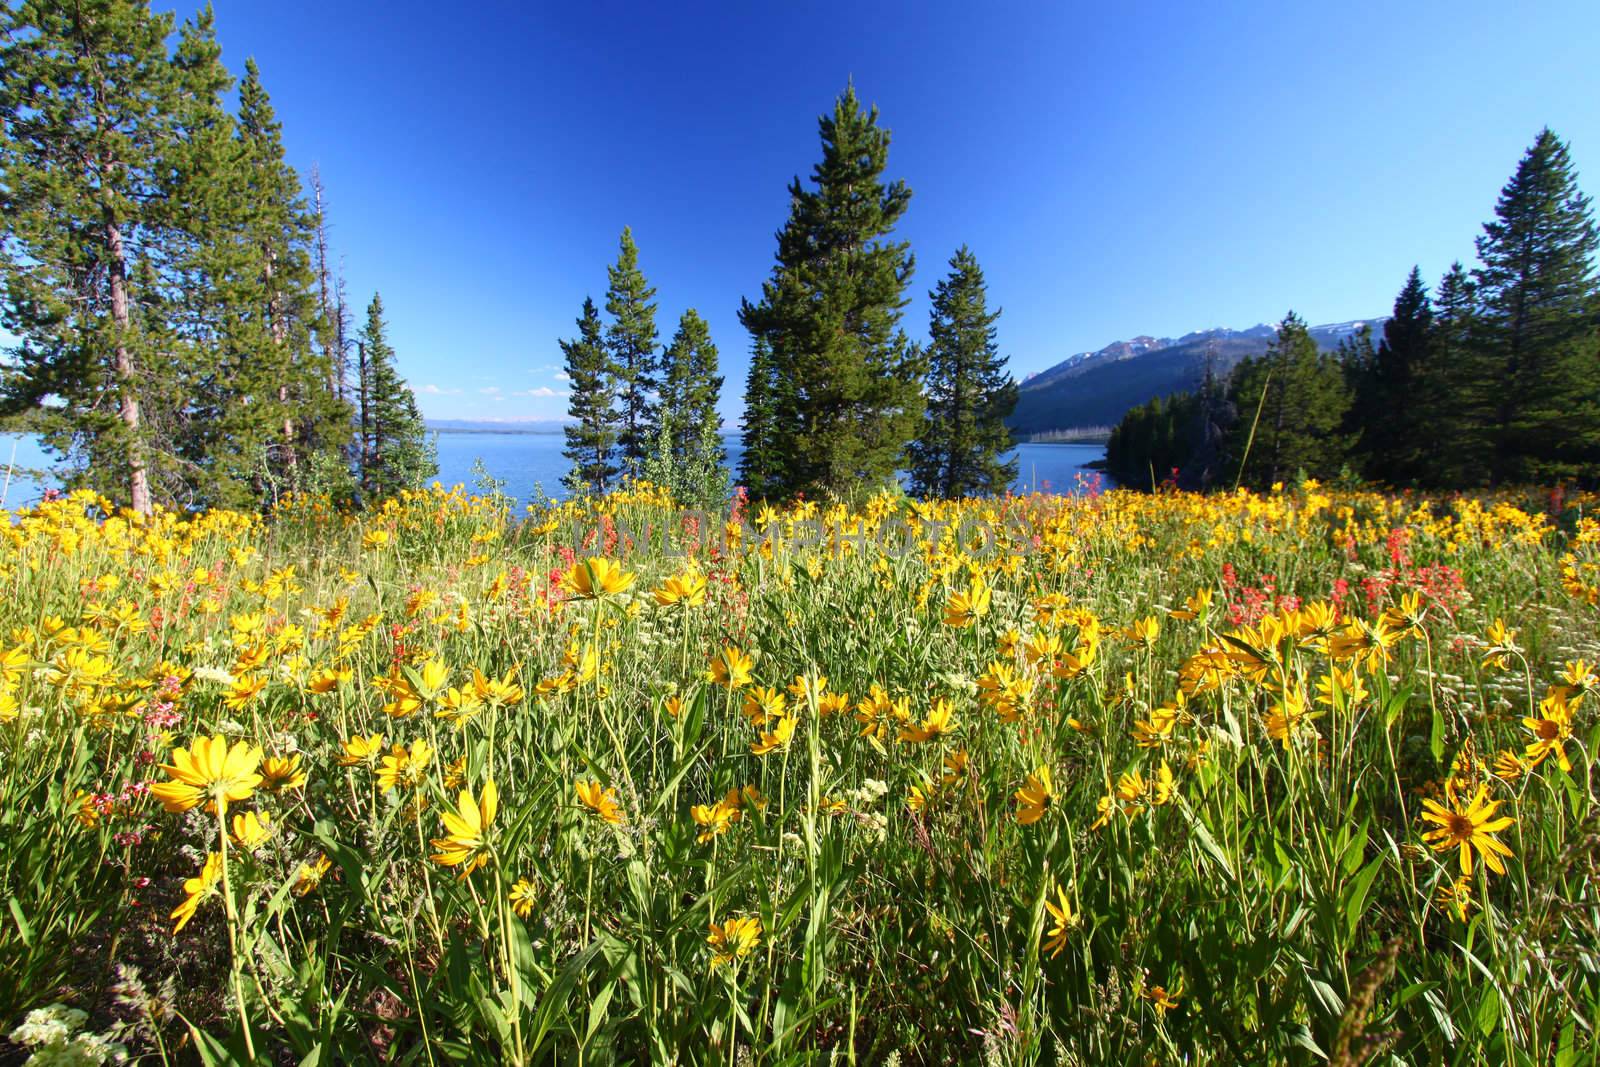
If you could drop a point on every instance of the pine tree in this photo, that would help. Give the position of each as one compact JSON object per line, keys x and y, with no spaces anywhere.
{"x":671,"y":420}
{"x":968,"y":393}
{"x":1214,"y":416}
{"x":591,"y":436}
{"x":830,"y":313}
{"x":1357,"y":359}
{"x":631,"y":346}
{"x":398,"y":452}
{"x":689,"y":458}
{"x":86,"y":104}
{"x":1292,"y":403}
{"x":703,"y":381}
{"x":211,"y":264}
{"x":269,"y":411}
{"x":705,"y":479}
{"x":1457,"y":399}
{"x":252,"y":453}
{"x":759,"y":463}
{"x":1153,"y":442}
{"x":156,"y":264}
{"x":1386,"y":390}
{"x":283,"y":232}
{"x":1539,"y":300}
{"x":330,"y":325}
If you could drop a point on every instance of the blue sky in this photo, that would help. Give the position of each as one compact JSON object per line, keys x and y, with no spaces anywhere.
{"x":1117,"y":169}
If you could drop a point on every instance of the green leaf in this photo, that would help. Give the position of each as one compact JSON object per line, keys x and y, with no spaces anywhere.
{"x":556,"y":997}
{"x":1208,"y":844}
{"x":1488,"y":1014}
{"x":1300,"y":1034}
{"x":1355,"y":895}
{"x":212,"y":1051}
{"x":529,"y":975}
{"x":1355,"y":849}
{"x":1326,"y":995}
{"x":597,"y":1010}
{"x":1394,"y":705}
{"x":24,"y":929}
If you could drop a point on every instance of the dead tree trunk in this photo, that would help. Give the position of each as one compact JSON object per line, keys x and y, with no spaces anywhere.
{"x":122,"y":361}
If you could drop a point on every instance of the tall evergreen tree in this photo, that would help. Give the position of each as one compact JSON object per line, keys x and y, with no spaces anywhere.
{"x":1539,"y":300}
{"x":759,"y":470}
{"x":675,"y":382}
{"x":86,"y":106}
{"x":631,"y":345}
{"x":690,"y":382}
{"x":330,"y":325}
{"x":689,"y":458}
{"x":266,"y":407}
{"x":1457,"y":398}
{"x":1386,"y":390}
{"x":283,"y":232}
{"x":830,"y":313}
{"x":398,"y":453}
{"x":968,"y":393}
{"x":1291,"y":402}
{"x":212,"y":266}
{"x":1214,"y":415}
{"x":591,"y":435}
{"x":1153,"y":442}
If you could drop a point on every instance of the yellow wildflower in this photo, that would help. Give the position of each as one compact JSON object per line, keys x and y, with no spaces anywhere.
{"x":595,"y":578}
{"x":600,"y":801}
{"x":1470,"y":827}
{"x":465,"y":843}
{"x":733,"y":940}
{"x":730,"y":667}
{"x":1064,"y":919}
{"x":197,"y":889}
{"x":251,"y":831}
{"x":211,"y":771}
{"x":1035,"y":797}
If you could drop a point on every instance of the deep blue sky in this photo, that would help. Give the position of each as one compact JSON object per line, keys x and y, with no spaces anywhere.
{"x":1117,"y":168}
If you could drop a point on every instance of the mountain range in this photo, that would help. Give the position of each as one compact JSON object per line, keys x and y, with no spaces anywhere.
{"x":506,"y":425}
{"x":1096,"y":388}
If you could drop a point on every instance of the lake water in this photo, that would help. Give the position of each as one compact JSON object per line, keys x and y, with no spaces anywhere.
{"x":17,"y":488}
{"x":529,"y":463}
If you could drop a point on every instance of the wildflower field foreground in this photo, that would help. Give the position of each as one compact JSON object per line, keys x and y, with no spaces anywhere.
{"x":1090,"y":779}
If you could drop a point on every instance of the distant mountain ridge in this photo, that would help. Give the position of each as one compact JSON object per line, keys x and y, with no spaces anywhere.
{"x":527,"y":425}
{"x":1097,"y":388}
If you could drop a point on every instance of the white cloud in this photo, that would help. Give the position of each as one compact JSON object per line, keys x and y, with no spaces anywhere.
{"x":563,"y":376}
{"x":433,"y":390}
{"x":540,"y":391}
{"x":489,"y":390}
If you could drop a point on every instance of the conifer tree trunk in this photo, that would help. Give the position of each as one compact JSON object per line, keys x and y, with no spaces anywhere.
{"x":138,"y":474}
{"x":339,"y":338}
{"x":1279,"y":411}
{"x":325,"y":309}
{"x":365,"y":385}
{"x":275,"y":318}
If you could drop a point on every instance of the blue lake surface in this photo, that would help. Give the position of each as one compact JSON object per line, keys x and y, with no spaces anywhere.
{"x":18,"y":454}
{"x":530,"y":463}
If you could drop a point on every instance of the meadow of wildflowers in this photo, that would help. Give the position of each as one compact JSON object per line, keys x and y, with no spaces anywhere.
{"x":1293,"y":778}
